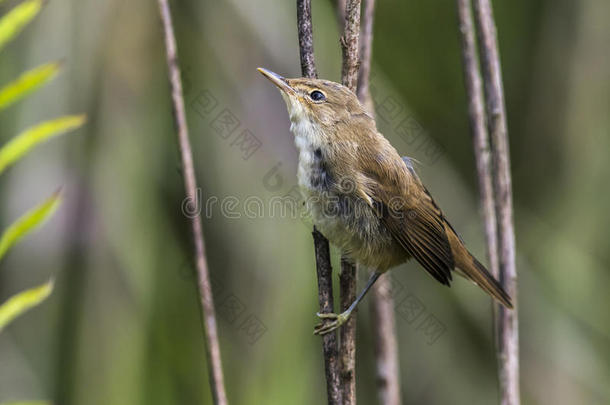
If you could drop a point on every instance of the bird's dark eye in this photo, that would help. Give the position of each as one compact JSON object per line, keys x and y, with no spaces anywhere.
{"x":317,"y":95}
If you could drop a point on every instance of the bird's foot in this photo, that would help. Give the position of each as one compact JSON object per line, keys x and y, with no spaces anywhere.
{"x":325,"y":326}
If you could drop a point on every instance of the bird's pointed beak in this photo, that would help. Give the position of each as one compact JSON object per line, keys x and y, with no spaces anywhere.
{"x":278,"y":80}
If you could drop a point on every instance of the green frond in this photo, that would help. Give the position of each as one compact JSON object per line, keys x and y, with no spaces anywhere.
{"x":28,"y":222}
{"x":22,"y":143}
{"x":16,"y":19}
{"x":21,"y":302}
{"x":26,"y":83}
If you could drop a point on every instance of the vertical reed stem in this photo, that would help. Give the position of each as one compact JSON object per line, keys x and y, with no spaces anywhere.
{"x":321,"y":246}
{"x":347,"y":333}
{"x":495,"y":181}
{"x":190,"y":184}
{"x":381,"y":299}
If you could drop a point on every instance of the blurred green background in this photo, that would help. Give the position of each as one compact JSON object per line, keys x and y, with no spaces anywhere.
{"x":122,"y":326}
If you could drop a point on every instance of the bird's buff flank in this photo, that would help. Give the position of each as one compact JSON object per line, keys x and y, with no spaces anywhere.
{"x":363,"y":196}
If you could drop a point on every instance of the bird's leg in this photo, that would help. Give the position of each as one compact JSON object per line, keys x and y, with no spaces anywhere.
{"x":339,"y":319}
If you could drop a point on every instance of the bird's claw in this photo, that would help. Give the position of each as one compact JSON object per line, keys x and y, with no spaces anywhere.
{"x":326,"y":327}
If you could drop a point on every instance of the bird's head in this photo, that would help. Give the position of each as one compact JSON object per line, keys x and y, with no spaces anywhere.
{"x":321,"y":102}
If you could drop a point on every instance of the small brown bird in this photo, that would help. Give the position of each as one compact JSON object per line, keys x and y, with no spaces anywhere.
{"x":364,"y":197}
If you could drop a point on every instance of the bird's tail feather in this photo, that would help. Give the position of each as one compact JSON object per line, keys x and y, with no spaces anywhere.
{"x":474,"y":271}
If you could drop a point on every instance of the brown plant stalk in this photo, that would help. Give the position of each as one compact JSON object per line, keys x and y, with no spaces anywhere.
{"x":190,"y":184}
{"x":494,"y":180}
{"x":366,"y":50}
{"x":321,"y":246}
{"x":386,"y":345}
{"x":348,"y":279}
{"x":480,"y":137}
{"x":507,"y":329}
{"x":349,"y":45}
{"x":381,"y":300}
{"x":347,"y":333}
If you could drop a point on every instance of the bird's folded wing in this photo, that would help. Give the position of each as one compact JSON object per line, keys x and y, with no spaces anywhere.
{"x":414,"y":220}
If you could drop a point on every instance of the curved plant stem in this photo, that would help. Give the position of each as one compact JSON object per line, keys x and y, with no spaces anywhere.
{"x":190,"y":185}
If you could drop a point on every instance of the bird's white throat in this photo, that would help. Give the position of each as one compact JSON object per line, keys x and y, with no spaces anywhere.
{"x":308,"y":141}
{"x":307,"y":138}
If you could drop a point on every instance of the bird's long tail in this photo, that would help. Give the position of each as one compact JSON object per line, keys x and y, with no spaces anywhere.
{"x":474,"y":271}
{"x":469,"y":267}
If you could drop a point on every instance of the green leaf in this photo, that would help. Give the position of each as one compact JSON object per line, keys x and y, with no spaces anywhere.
{"x":22,"y":143}
{"x":19,"y":303}
{"x":28,"y":222}
{"x":27,"y":83}
{"x":16,"y":19}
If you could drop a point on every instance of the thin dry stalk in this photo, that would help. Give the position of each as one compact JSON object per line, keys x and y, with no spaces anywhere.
{"x":347,"y":333}
{"x":305,"y":28}
{"x":507,"y":329}
{"x":349,"y":78}
{"x":386,"y":345}
{"x":321,"y":246}
{"x":480,"y":138}
{"x":366,"y":51}
{"x":325,"y":299}
{"x":349,"y":45}
{"x":190,"y":185}
{"x":381,"y":300}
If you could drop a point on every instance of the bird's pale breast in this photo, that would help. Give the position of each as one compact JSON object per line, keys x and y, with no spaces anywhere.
{"x":339,"y":213}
